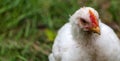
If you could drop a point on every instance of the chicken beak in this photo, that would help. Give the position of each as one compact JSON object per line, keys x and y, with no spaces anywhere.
{"x":96,"y":30}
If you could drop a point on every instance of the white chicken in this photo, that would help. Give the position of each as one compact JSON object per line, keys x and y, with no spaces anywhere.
{"x":85,"y":38}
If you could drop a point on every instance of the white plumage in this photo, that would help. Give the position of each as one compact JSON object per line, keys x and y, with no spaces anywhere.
{"x":74,"y":43}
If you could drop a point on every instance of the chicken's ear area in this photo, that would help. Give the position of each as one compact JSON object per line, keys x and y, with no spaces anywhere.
{"x":96,"y":30}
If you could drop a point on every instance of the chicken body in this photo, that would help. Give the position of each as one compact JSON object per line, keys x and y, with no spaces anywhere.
{"x":71,"y":44}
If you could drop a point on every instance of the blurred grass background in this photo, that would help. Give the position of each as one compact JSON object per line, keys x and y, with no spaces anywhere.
{"x":28,"y":27}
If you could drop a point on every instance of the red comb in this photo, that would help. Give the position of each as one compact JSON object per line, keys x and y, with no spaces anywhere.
{"x":93,"y":18}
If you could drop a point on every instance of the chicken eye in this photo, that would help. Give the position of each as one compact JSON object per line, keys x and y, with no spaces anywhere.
{"x":83,"y":21}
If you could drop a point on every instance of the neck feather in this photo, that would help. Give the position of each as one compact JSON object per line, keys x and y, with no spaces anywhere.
{"x":82,"y":36}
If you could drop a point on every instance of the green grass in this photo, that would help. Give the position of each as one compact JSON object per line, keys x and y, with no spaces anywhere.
{"x":28,"y":27}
